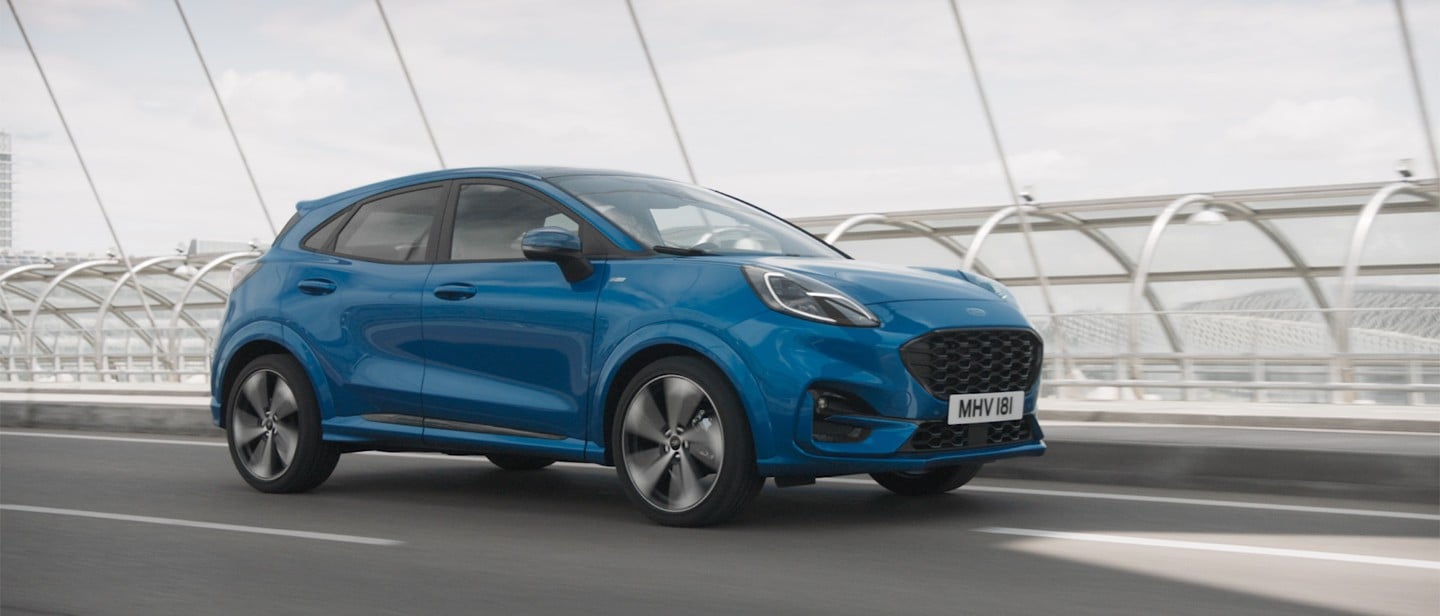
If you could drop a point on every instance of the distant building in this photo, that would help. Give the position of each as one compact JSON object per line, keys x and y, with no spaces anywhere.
{"x":7,"y":219}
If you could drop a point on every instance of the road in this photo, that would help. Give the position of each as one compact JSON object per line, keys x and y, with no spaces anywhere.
{"x":116,"y":524}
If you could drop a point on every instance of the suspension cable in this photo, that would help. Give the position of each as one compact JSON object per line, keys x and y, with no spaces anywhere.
{"x":1415,"y":82}
{"x":85,"y":169}
{"x":269,"y":220}
{"x":660,"y":87}
{"x":1004,"y":163}
{"x":424,"y":119}
{"x":1020,"y":216}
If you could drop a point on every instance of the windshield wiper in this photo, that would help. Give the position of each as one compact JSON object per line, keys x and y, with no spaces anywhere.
{"x":676,"y":250}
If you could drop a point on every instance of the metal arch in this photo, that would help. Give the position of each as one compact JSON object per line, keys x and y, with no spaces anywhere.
{"x":87,"y":294}
{"x":40,"y":300}
{"x":950,"y":244}
{"x":1075,"y":224}
{"x":1123,"y":260}
{"x":987,"y":228}
{"x":11,"y":273}
{"x":190,"y":286}
{"x":1358,"y":239}
{"x":1162,"y":221}
{"x":75,"y":325}
{"x":99,"y":331}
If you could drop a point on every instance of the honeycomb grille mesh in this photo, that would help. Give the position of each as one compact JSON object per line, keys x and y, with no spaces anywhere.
{"x":938,"y":435}
{"x":974,"y":361}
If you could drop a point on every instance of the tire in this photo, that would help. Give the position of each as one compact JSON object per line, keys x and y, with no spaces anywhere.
{"x":924,"y":483}
{"x":682,"y":444}
{"x":262,"y":421}
{"x":512,"y":462}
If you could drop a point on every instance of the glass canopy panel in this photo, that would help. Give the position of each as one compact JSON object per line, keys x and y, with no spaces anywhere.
{"x":1403,"y":238}
{"x":901,"y":251}
{"x":1005,"y":255}
{"x":1070,"y":253}
{"x":1184,"y":247}
{"x":64,"y":297}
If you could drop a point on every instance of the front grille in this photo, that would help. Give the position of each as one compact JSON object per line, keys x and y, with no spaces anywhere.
{"x":938,"y":435}
{"x":974,"y":361}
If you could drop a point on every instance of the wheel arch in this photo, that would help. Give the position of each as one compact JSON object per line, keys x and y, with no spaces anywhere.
{"x":642,"y":349}
{"x":257,"y":340}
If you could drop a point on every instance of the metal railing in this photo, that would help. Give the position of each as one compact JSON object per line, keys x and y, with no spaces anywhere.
{"x":1259,"y":355}
{"x":128,"y":355}
{"x":1254,"y":355}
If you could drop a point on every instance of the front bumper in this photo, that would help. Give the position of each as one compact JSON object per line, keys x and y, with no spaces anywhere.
{"x":891,"y":419}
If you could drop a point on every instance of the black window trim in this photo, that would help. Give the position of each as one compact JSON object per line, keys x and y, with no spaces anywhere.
{"x":594,"y":243}
{"x":350,"y":210}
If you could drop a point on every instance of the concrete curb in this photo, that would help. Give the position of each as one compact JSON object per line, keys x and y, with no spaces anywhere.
{"x":1375,"y":475}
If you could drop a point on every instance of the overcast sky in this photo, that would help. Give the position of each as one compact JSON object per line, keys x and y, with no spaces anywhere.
{"x":805,"y":107}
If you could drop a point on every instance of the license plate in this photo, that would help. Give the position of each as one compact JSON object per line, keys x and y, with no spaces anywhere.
{"x":985,"y":408}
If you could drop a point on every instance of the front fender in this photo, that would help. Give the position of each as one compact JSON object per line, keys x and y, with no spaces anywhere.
{"x":705,"y":343}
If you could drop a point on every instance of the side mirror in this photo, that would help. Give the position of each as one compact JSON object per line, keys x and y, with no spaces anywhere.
{"x":559,"y":246}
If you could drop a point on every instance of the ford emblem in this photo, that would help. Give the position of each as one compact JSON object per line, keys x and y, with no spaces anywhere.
{"x":975,"y":312}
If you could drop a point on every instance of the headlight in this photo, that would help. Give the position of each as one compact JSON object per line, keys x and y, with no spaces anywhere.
{"x":995,"y":287}
{"x":807,"y":298}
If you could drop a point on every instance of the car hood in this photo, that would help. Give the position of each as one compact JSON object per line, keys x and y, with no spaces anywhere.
{"x":875,"y":283}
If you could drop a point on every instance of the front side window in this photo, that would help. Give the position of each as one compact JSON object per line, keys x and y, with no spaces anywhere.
{"x":666,"y":214}
{"x":393,"y":228}
{"x":491,"y":219}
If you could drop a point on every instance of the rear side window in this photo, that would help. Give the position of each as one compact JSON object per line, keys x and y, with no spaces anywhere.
{"x":320,"y":239}
{"x":394,"y":228}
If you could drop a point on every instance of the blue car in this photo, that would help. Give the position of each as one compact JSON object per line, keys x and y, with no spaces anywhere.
{"x":693,"y":341}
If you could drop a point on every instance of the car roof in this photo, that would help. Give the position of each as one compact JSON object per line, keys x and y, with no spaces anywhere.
{"x":531,"y":172}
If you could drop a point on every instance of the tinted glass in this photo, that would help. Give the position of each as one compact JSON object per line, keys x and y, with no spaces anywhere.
{"x":395,"y":228}
{"x":320,"y":238}
{"x":490,"y":220}
{"x":660,"y":212}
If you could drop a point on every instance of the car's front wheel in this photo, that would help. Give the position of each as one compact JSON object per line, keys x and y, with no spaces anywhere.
{"x":682,"y":444}
{"x":921,"y":483}
{"x":273,"y":423}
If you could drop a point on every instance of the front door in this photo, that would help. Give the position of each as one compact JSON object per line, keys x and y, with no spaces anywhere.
{"x":507,"y":340}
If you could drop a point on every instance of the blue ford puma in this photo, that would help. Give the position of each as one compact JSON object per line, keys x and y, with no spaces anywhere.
{"x":695,"y":342}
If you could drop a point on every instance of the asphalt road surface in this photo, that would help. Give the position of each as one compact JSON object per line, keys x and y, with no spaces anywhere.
{"x":112,"y":524}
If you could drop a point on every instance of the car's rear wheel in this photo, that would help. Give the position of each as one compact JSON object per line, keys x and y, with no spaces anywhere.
{"x":682,"y":444}
{"x":922,"y":483}
{"x":512,"y":462}
{"x":273,"y":423}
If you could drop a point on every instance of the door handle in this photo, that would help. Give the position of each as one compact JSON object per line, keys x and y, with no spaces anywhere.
{"x":456,"y":291}
{"x":316,"y":286}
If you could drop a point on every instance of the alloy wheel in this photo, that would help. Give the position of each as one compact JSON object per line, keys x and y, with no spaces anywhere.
{"x":673,"y":443}
{"x":265,"y":430}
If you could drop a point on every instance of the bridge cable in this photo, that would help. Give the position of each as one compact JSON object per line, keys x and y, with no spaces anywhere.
{"x":424,"y":119}
{"x":85,"y":169}
{"x":1419,"y":91}
{"x":1020,"y":216}
{"x":269,"y":220}
{"x":660,"y":87}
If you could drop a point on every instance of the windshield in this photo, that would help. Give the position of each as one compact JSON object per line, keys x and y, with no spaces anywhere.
{"x":666,"y":214}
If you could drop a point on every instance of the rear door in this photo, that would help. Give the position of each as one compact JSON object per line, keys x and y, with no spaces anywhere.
{"x":356,"y":301}
{"x":507,"y":340}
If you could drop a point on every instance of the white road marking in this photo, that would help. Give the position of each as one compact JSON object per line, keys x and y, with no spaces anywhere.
{"x":1215,"y":547}
{"x":1172,"y":500}
{"x":1138,"y":498}
{"x":1132,"y":424}
{"x":117,"y":439}
{"x":258,"y":530}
